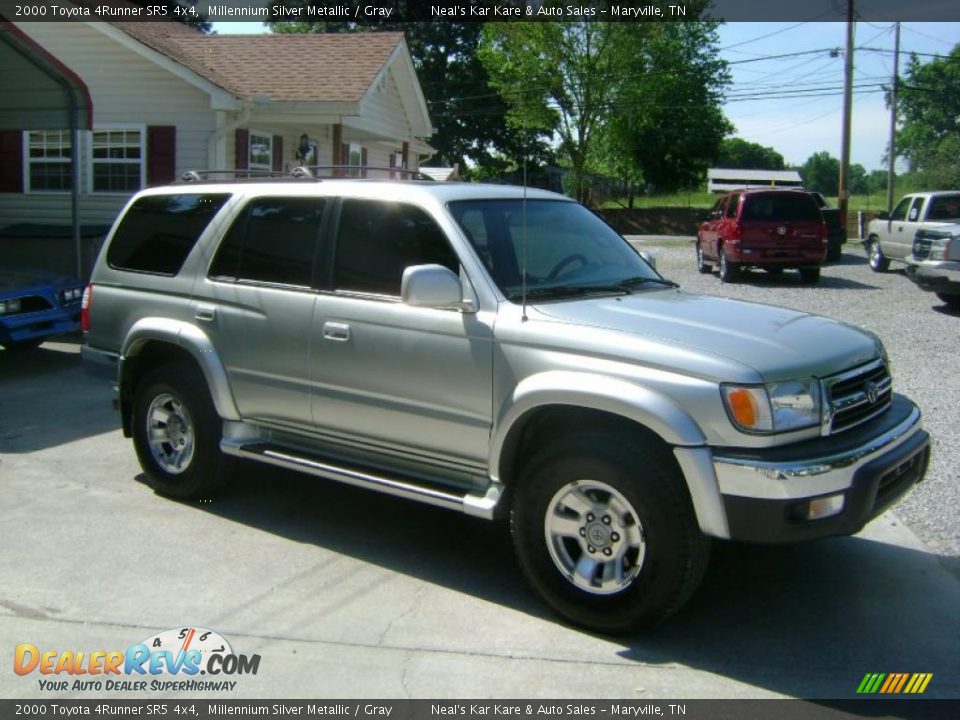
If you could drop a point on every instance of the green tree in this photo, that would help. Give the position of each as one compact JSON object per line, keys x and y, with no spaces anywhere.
{"x":821,"y":172}
{"x":639,"y":99}
{"x":857,"y":179}
{"x":468,"y":117}
{"x":738,"y":153}
{"x":929,"y":113}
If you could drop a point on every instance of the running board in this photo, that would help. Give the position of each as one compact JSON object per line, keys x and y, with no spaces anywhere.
{"x":482,"y":506}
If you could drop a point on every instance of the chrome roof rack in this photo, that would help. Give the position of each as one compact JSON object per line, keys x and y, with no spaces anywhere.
{"x":348,"y":171}
{"x":195,"y":176}
{"x":315,"y":173}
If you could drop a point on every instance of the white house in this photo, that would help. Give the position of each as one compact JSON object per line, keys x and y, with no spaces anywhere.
{"x":724,"y":179}
{"x":148,"y":101}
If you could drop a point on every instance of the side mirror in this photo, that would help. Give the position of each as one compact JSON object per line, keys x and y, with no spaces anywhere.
{"x":431,"y":286}
{"x":883,"y":216}
{"x":649,"y":258}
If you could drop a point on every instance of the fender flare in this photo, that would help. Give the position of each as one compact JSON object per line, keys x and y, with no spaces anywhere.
{"x":194,"y":341}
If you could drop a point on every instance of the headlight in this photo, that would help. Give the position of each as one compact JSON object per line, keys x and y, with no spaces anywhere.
{"x":71,"y":295}
{"x":775,"y":407}
{"x":9,"y":307}
{"x":938,"y":249}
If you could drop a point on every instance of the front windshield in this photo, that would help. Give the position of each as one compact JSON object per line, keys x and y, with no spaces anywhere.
{"x":568,"y":249}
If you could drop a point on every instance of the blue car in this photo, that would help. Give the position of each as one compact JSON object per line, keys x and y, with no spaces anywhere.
{"x":35,"y":306}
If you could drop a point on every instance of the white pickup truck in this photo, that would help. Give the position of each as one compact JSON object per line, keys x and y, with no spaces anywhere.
{"x":890,"y":237}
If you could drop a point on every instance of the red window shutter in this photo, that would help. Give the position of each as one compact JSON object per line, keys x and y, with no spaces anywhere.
{"x":277,"y":153}
{"x":241,"y":149}
{"x":161,"y":154}
{"x":11,"y":161}
{"x":393,"y":164}
{"x":363,"y":162}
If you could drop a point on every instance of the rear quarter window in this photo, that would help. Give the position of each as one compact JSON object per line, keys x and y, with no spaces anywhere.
{"x":780,"y":207}
{"x":159,"y":231}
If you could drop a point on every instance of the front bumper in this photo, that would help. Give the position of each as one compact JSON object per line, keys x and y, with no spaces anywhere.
{"x":766,"y":493}
{"x":24,"y":327}
{"x":942,"y":276}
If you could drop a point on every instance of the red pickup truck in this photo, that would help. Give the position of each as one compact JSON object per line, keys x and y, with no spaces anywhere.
{"x":768,"y":229}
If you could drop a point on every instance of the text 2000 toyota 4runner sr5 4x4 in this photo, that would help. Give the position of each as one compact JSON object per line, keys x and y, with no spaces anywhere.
{"x":381,"y":334}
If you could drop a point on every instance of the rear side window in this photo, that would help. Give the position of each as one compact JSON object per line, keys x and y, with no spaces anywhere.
{"x":732,"y":206}
{"x":159,"y":231}
{"x":274,"y":240}
{"x":780,"y":207}
{"x":377,"y":241}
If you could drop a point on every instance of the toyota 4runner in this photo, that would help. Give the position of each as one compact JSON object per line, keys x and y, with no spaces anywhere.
{"x":496,"y":351}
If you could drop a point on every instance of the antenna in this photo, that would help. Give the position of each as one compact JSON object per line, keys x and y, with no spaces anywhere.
{"x":523,"y":243}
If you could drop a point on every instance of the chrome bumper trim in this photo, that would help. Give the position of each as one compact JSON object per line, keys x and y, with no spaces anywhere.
{"x":749,"y":477}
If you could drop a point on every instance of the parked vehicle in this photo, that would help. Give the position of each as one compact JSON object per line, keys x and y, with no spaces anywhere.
{"x":934,"y":264}
{"x":890,"y":237}
{"x":499,"y":352}
{"x":836,"y":227}
{"x":36,"y":306}
{"x":768,"y":229}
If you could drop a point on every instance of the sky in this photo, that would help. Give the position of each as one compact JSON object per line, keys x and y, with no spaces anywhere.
{"x":799,"y":126}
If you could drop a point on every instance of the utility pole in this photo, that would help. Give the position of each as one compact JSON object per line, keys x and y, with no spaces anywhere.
{"x":843,"y":199}
{"x":894,"y":88}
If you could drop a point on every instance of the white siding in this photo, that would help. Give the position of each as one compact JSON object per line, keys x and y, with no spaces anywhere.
{"x":382,"y":111}
{"x":126,"y":89}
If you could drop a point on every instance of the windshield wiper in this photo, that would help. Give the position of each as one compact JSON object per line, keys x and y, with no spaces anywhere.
{"x":558,"y":291}
{"x":639,"y":280}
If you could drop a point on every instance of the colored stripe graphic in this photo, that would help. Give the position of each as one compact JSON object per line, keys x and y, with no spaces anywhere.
{"x":894,"y":683}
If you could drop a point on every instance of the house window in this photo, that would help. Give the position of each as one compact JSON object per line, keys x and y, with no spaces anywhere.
{"x":48,"y":160}
{"x":117,"y":160}
{"x":261,"y":151}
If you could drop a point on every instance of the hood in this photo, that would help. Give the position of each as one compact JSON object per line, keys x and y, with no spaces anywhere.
{"x":25,"y":280}
{"x":776,"y":342}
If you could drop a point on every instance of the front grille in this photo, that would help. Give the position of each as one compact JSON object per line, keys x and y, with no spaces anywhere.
{"x":31,"y":304}
{"x":921,"y":247}
{"x":855,"y":396}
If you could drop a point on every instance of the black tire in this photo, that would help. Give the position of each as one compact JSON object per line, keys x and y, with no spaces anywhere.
{"x":834,"y":251}
{"x":703,"y":267}
{"x":180,"y":392}
{"x":952,"y":301}
{"x":673,"y":552}
{"x":878,"y":263}
{"x":810,"y":275}
{"x":729,"y":270}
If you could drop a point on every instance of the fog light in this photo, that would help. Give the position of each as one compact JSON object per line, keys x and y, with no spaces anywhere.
{"x":824,"y":507}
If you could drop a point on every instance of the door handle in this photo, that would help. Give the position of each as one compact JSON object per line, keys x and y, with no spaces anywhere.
{"x":205,"y":313}
{"x":336,"y":331}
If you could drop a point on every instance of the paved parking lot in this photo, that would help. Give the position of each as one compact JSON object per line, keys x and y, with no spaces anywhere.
{"x":348,"y":594}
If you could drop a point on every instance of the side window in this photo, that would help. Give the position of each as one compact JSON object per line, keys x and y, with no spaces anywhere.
{"x":159,"y":231}
{"x":717,"y":211}
{"x":274,"y":240}
{"x":377,"y":241}
{"x":900,"y":211}
{"x":732,"y":206}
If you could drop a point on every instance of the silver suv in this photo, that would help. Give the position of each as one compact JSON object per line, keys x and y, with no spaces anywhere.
{"x":496,"y":351}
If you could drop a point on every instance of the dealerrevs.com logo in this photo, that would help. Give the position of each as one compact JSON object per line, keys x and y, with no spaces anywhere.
{"x":173,"y":660}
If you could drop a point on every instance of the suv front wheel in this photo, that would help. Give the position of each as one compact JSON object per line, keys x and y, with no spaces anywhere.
{"x":176,"y":433}
{"x":605,"y":532}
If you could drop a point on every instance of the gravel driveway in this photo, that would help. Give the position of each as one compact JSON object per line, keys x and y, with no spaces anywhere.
{"x":922,"y":338}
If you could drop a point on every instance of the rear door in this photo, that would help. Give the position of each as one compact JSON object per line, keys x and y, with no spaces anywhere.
{"x":900,"y":243}
{"x":781,"y":224}
{"x":257,"y":302}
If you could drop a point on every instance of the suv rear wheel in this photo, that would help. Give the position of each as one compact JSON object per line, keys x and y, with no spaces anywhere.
{"x":176,"y":433}
{"x":729,"y":271}
{"x":605,"y":532}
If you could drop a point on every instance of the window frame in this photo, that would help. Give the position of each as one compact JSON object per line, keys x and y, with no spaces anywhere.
{"x":28,"y":161}
{"x":251,"y":165}
{"x":91,"y":161}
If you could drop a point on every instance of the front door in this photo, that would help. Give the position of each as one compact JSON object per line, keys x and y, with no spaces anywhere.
{"x":387,"y":374}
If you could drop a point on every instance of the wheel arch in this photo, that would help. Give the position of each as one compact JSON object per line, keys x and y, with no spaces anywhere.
{"x":157,"y":341}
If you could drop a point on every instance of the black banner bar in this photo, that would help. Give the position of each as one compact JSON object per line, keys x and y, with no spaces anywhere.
{"x":915,"y":709}
{"x":393,"y":11}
